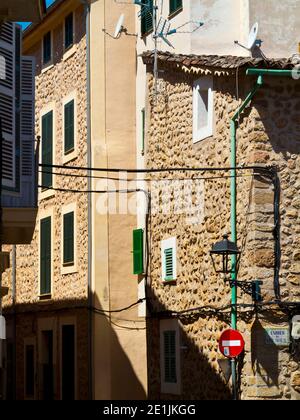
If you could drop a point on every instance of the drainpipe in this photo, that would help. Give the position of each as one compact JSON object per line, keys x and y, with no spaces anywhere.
{"x":87,"y":9}
{"x":233,"y":128}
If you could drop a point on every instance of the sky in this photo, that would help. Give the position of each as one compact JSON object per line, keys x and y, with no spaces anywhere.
{"x":25,"y":24}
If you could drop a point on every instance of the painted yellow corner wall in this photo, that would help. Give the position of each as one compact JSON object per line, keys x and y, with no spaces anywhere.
{"x":119,"y":353}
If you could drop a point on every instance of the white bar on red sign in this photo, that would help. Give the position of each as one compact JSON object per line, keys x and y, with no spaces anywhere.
{"x":231,"y":343}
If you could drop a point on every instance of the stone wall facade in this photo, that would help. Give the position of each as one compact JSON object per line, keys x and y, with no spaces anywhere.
{"x":69,"y":294}
{"x":267,"y":134}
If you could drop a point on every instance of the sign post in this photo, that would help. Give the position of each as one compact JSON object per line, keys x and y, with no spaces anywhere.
{"x":231,"y":345}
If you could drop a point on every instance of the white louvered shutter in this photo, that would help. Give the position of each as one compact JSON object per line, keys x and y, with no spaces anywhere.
{"x":27,"y":117}
{"x":8,"y":101}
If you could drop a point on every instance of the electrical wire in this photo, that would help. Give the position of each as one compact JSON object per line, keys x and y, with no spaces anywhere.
{"x":144,"y":179}
{"x":157,"y":170}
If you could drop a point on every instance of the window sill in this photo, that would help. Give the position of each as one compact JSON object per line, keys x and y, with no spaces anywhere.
{"x":175,"y":13}
{"x":68,"y":269}
{"x":202,"y":135}
{"x":70,"y":156}
{"x":46,"y":297}
{"x":47,"y":67}
{"x":46,"y":194}
{"x":169,"y":282}
{"x":69,"y":52}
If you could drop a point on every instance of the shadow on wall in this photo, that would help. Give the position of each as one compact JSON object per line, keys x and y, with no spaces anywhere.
{"x":125,"y":385}
{"x":264,"y":355}
{"x":124,"y":382}
{"x":201,"y":378}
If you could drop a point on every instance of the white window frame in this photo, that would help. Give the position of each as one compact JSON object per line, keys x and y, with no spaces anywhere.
{"x":48,"y":108}
{"x":205,"y":83}
{"x":69,"y":269}
{"x":166,"y":387}
{"x":43,"y":215}
{"x":72,"y":155}
{"x":166,"y":244}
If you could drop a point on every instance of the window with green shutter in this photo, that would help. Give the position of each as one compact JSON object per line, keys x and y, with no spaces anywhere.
{"x":147,"y":17}
{"x":47,"y":48}
{"x":68,"y":238}
{"x":69,"y":31}
{"x":45,"y":256}
{"x":47,"y":148}
{"x":169,"y":264}
{"x":170,"y":356}
{"x":138,"y":251}
{"x":69,"y":127}
{"x":175,"y":5}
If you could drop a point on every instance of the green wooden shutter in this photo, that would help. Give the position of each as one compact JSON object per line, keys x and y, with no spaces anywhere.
{"x":170,"y":356}
{"x":45,"y":255}
{"x":169,"y":264}
{"x":175,"y":5}
{"x":68,"y":241}
{"x":47,"y":48}
{"x":69,"y":31}
{"x":47,"y":146}
{"x":138,"y":251}
{"x":69,"y":127}
{"x":147,"y":17}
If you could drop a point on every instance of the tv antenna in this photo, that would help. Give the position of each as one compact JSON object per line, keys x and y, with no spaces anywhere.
{"x":161,"y":28}
{"x":252,"y":39}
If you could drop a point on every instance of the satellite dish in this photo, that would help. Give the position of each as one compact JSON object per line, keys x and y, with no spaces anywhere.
{"x":119,"y":26}
{"x":252,"y":39}
{"x":252,"y":36}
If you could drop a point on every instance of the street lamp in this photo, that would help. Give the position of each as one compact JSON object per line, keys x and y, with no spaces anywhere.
{"x":220,"y":254}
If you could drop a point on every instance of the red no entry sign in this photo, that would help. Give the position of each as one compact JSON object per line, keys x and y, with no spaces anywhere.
{"x":231,"y":343}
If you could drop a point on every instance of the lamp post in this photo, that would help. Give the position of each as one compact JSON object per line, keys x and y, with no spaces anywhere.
{"x":221,"y":253}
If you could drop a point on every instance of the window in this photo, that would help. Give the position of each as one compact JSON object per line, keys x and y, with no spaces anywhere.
{"x":47,"y":48}
{"x":202,"y":108}
{"x":175,"y":5}
{"x":68,"y":362}
{"x":45,"y":256}
{"x":47,"y":148}
{"x":168,"y":255}
{"x":138,"y":251}
{"x":147,"y":17}
{"x":69,"y":130}
{"x":68,"y":241}
{"x":170,"y":357}
{"x":29,"y":371}
{"x":69,"y":27}
{"x":47,"y":366}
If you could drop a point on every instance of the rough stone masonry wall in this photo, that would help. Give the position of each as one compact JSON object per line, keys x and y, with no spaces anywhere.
{"x":70,"y":290}
{"x":270,"y":124}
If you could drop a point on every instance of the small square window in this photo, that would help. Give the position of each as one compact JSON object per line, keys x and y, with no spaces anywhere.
{"x":202,"y":108}
{"x":168,"y":255}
